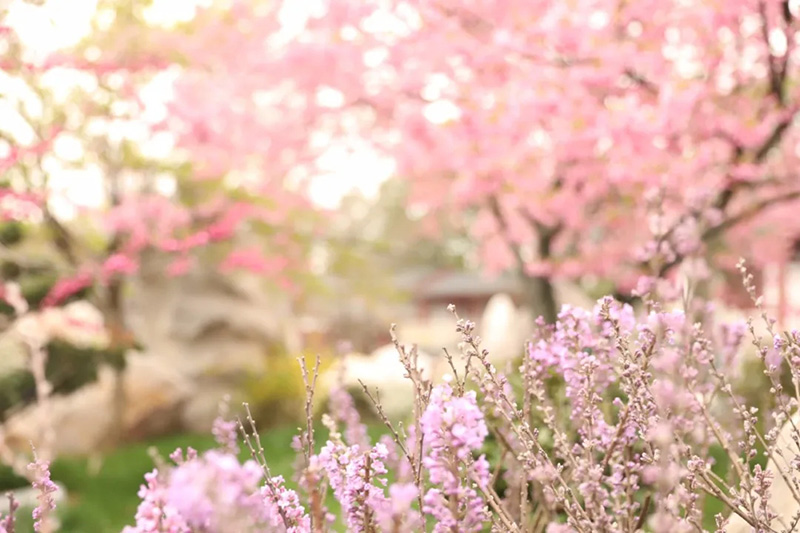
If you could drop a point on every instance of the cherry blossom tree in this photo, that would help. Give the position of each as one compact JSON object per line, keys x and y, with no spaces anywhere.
{"x":89,"y":166}
{"x":90,"y":186}
{"x":67,"y":165}
{"x":570,"y":131}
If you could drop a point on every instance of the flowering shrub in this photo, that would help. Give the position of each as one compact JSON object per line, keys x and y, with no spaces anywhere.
{"x":611,"y":423}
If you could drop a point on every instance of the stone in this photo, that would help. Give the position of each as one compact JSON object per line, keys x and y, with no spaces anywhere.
{"x":503,"y":329}
{"x":198,"y":413}
{"x":216,"y":329}
{"x":78,"y":323}
{"x":82,"y":421}
{"x":570,"y":293}
{"x":14,"y":354}
{"x":203,"y":331}
{"x":155,"y":394}
{"x":169,"y":310}
{"x":383,"y":370}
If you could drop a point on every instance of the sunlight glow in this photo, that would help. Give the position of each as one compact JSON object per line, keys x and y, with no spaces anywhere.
{"x":58,"y":24}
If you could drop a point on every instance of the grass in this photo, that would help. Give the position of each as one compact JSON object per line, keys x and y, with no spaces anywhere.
{"x":106,"y":502}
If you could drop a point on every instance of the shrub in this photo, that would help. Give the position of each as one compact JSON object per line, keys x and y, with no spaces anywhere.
{"x":277,"y":396}
{"x":614,"y":422}
{"x":74,"y":356}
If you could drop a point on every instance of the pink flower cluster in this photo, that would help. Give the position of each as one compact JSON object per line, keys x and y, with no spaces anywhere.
{"x":609,"y":426}
{"x":216,"y":492}
{"x":357,"y":478}
{"x":45,"y":489}
{"x":454,"y":428}
{"x":284,"y":507}
{"x":155,"y":513}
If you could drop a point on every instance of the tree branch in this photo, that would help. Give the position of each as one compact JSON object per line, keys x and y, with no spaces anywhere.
{"x":497,"y":212}
{"x":62,"y":238}
{"x":776,"y":80}
{"x":641,"y":81}
{"x":773,"y":140}
{"x":748,"y":213}
{"x":742,"y":216}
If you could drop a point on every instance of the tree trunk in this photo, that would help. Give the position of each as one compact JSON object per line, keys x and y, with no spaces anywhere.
{"x":539,"y":290}
{"x":118,"y":406}
{"x":541,"y":297}
{"x":120,"y":343}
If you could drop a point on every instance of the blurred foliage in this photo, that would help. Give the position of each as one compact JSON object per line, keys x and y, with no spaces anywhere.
{"x":386,"y":232}
{"x":371,"y":246}
{"x":39,"y":252}
{"x":11,"y":233}
{"x":278,"y":396}
{"x":69,"y":367}
{"x":363,"y":405}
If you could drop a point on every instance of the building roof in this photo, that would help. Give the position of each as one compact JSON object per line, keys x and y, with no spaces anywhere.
{"x":436,"y":284}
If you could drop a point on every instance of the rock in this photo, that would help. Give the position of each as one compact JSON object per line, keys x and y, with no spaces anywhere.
{"x":431,"y":334}
{"x":82,"y":421}
{"x":155,"y":395}
{"x":221,"y":356}
{"x":503,"y":329}
{"x":78,"y":323}
{"x":178,"y":311}
{"x":14,"y":354}
{"x":204,"y":331}
{"x":383,"y":370}
{"x":200,"y":410}
{"x":216,"y":330}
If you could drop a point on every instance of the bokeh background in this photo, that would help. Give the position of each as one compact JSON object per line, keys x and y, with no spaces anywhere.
{"x":195,"y":193}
